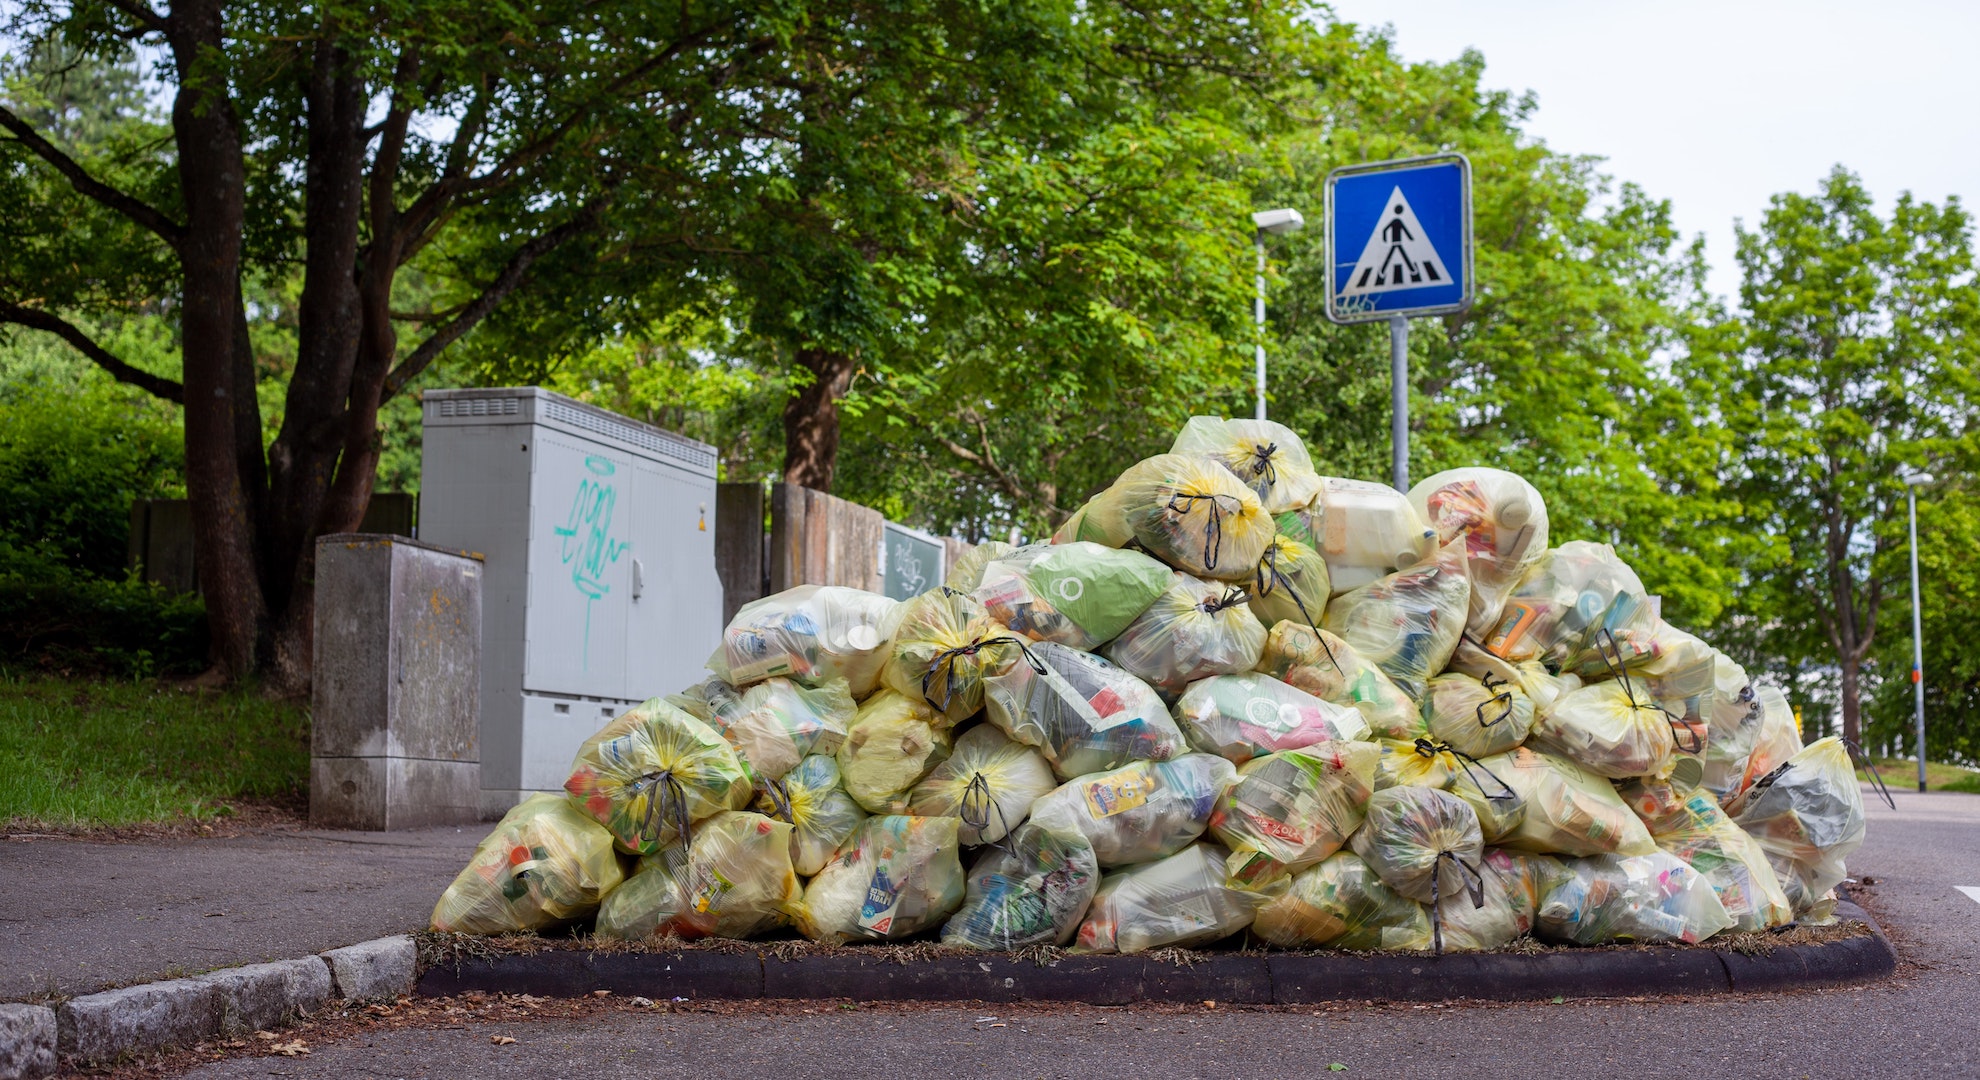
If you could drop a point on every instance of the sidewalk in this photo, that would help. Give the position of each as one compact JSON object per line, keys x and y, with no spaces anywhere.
{"x":77,"y":916}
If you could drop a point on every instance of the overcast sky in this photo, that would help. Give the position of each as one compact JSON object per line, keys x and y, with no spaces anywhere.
{"x":1718,"y":106}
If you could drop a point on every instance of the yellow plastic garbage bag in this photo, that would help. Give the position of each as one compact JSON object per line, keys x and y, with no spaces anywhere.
{"x":989,"y":782}
{"x":1615,"y":729}
{"x":734,"y":881}
{"x":650,"y":774}
{"x":1775,"y":736}
{"x":1078,"y":594}
{"x":896,"y":877}
{"x":1503,"y":522}
{"x":773,"y":723}
{"x":1408,"y":623}
{"x":1266,"y":456}
{"x":1194,"y":630}
{"x":1343,"y":904}
{"x":1180,"y":901}
{"x":944,"y":648}
{"x":1364,"y":531}
{"x":1733,"y":727}
{"x":1140,"y":812}
{"x":1569,"y":810}
{"x":1563,"y":603}
{"x":1252,"y":714}
{"x":1291,"y":583}
{"x":1429,"y":763}
{"x":893,"y":743}
{"x":546,"y":863}
{"x":1607,"y":899}
{"x":1328,"y":668}
{"x":1083,"y":713}
{"x":1191,"y":513}
{"x":1291,"y":809}
{"x":1511,"y":885}
{"x":1032,"y":891}
{"x":812,"y":633}
{"x":1691,"y":825}
{"x":813,"y":799}
{"x":967,"y":573}
{"x":1424,"y":842}
{"x":1807,"y":815}
{"x":1479,"y":718}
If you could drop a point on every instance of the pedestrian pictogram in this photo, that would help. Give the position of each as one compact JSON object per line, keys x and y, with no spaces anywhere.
{"x":1399,"y":239}
{"x":1398,"y":254}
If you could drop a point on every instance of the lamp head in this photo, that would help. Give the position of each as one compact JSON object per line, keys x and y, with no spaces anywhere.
{"x":1278,"y":221}
{"x":1916,"y":479}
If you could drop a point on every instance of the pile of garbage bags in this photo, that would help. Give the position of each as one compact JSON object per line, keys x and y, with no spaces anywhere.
{"x":1231,"y":696}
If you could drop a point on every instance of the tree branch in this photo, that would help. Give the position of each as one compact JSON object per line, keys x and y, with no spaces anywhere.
{"x":147,"y":18}
{"x":36,"y":319}
{"x":129,"y":206}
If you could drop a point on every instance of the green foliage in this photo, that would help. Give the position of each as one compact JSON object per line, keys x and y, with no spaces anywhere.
{"x":72,"y":461}
{"x":1949,"y":576}
{"x":54,"y":618}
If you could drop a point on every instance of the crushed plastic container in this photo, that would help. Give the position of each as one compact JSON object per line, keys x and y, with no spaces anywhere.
{"x":812,"y":633}
{"x":1252,"y":714}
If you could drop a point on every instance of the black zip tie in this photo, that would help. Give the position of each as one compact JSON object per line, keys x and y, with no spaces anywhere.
{"x":663,"y":790}
{"x":978,"y":788}
{"x":1233,"y":596}
{"x":1261,"y":462}
{"x":1269,"y":577}
{"x":1503,"y":698}
{"x":1430,"y":748}
{"x":1213,"y":537}
{"x":1621,"y":673}
{"x":1856,"y":753}
{"x":947,"y":657}
{"x":779,"y":795}
{"x":1475,"y":886}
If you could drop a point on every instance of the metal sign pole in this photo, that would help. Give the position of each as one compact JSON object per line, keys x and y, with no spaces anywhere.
{"x":1399,"y":402}
{"x":1917,"y":634}
{"x":1260,"y":311}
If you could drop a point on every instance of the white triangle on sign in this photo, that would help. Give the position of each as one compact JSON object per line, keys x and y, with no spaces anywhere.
{"x":1398,"y":254}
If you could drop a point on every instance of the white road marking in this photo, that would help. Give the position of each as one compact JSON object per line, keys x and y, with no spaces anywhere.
{"x":1972,"y":892}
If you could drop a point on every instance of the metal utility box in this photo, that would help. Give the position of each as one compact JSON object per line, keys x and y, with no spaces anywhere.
{"x":394,"y":704}
{"x":601,"y":591}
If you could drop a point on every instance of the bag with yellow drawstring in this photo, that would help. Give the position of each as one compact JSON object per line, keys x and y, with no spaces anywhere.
{"x":1140,"y":812}
{"x":1082,"y":712}
{"x":1328,"y":668}
{"x":1569,"y":810}
{"x":1266,"y":457}
{"x":812,"y":634}
{"x":944,"y":648}
{"x":774,"y":723}
{"x":1291,"y":583}
{"x":813,"y":799}
{"x":1689,"y":823}
{"x":1409,"y":622}
{"x":1479,"y":718}
{"x":989,"y":782}
{"x":1032,"y":890}
{"x":1503,"y":523}
{"x":649,"y":775}
{"x":1364,"y":531}
{"x":1291,"y":809}
{"x":1343,"y":904}
{"x":1194,"y":630}
{"x":896,"y":877}
{"x":1179,"y":901}
{"x":1252,"y":714}
{"x":735,"y":880}
{"x":545,"y":864}
{"x":1428,"y":763}
{"x":1078,"y":594}
{"x":893,"y":743}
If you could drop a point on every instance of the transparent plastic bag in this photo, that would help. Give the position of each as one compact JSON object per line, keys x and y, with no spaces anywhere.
{"x":653,"y":772}
{"x":896,"y":877}
{"x":1077,"y":594}
{"x":1423,"y":842}
{"x":1606,"y":899}
{"x":1569,"y":810}
{"x":945,"y":646}
{"x":1776,"y":739}
{"x":1511,"y":886}
{"x":1408,"y":623}
{"x":1504,"y":525}
{"x":1194,"y":630}
{"x":1477,"y":718}
{"x":1266,"y":457}
{"x":1343,"y":904}
{"x":773,"y":723}
{"x":1032,"y":891}
{"x":812,"y":633}
{"x":1733,"y":727}
{"x":1428,"y":763}
{"x":546,"y":863}
{"x":1568,"y":597}
{"x":1180,"y":901}
{"x":989,"y":782}
{"x":1291,"y":809}
{"x":1807,"y":815}
{"x":1240,"y":717}
{"x":1139,"y":812}
{"x":813,"y":799}
{"x":1691,"y":825}
{"x":1083,"y":713}
{"x":1364,"y":531}
{"x":1192,"y":514}
{"x":1328,"y":668}
{"x":1291,"y":583}
{"x":893,"y":744}
{"x":734,"y":881}
{"x":1615,"y":729}
{"x":967,"y":573}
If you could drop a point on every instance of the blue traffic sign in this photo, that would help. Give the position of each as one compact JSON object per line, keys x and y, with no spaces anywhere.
{"x":1399,"y":238}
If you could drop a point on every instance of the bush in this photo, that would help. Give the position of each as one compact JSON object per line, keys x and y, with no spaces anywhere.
{"x":71,"y":461}
{"x":57,"y":619}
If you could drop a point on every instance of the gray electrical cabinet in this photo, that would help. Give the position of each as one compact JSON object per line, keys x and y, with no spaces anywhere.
{"x":599,"y":590}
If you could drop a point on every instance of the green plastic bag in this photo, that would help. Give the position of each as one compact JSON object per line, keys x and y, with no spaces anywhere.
{"x":1077,"y":594}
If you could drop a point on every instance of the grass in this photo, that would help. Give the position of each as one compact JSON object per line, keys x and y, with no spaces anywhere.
{"x":1902,"y":774}
{"x":85,"y":754}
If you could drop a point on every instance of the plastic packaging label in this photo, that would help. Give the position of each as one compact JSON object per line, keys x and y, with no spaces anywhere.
{"x":1109,"y":797}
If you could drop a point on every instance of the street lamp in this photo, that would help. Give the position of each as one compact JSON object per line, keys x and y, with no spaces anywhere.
{"x":1911,"y":481}
{"x":1275,"y":222}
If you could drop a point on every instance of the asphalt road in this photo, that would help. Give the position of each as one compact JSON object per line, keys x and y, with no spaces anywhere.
{"x":1922,"y":1023}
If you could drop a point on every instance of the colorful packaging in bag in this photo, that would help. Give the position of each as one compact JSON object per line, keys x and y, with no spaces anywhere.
{"x":1504,"y":525}
{"x":1194,"y":630}
{"x":813,"y":799}
{"x":1408,"y":623}
{"x":1192,"y":514}
{"x":812,"y":634}
{"x":945,"y":646}
{"x":1564,"y":602}
{"x":1139,"y":812}
{"x":1428,"y":763}
{"x":967,"y":573}
{"x":989,"y":782}
{"x":1328,"y":668}
{"x":734,"y":881}
{"x":1265,"y":456}
{"x":1511,"y":885}
{"x":1691,"y":825}
{"x":1343,"y":904}
{"x":896,"y":877}
{"x":1424,"y":842}
{"x":1291,"y":583}
{"x":1477,"y":718}
{"x":1083,"y":713}
{"x":1032,"y":891}
{"x":1807,"y":815}
{"x":1615,"y":729}
{"x":1248,"y":715}
{"x":1776,"y":738}
{"x":1607,"y":899}
{"x":1078,"y":594}
{"x":653,"y":772}
{"x":1364,"y":531}
{"x":893,"y":744}
{"x":1569,"y":810}
{"x":1182,"y":900}
{"x":1291,"y":809}
{"x":543,"y":865}
{"x":775,"y":722}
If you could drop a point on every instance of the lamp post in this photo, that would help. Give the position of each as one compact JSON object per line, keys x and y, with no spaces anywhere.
{"x":1275,"y":222}
{"x":1911,"y":482}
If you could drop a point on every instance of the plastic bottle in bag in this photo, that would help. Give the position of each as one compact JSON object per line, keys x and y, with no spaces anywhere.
{"x":1083,"y":713}
{"x":1291,"y":809}
{"x":1409,"y":622}
{"x":1343,"y":904}
{"x":1251,"y":714}
{"x":1503,"y":522}
{"x":1180,"y":901}
{"x":1559,"y":609}
{"x":896,"y":877}
{"x":1475,"y":717}
{"x":811,"y":634}
{"x":1194,"y":630}
{"x":989,"y":781}
{"x":1328,"y":668}
{"x":944,"y":647}
{"x":1364,"y":531}
{"x":1139,"y":812}
{"x":1691,"y":825}
{"x":893,"y":743}
{"x":1032,"y":891}
{"x":734,"y":881}
{"x":1424,"y":842}
{"x":773,"y":723}
{"x":967,"y":573}
{"x":1266,"y":457}
{"x":1807,"y":815}
{"x":1078,"y":594}
{"x":1608,"y":899}
{"x":653,"y":771}
{"x":813,"y":799}
{"x":1569,"y":810}
{"x":546,"y":863}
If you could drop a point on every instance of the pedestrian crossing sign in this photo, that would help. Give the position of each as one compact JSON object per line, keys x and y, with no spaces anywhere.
{"x":1399,"y":238}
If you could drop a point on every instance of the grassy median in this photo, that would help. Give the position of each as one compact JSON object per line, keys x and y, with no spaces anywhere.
{"x":1903,"y":773}
{"x":85,"y":754}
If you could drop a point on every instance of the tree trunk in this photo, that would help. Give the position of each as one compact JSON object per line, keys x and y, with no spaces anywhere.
{"x":811,"y":419}
{"x":1852,"y":704}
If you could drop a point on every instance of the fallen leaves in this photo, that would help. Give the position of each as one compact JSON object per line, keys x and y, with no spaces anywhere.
{"x":502,"y":1040}
{"x":293,"y":1048}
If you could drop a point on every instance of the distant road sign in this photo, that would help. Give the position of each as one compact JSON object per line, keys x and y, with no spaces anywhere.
{"x":1399,"y":238}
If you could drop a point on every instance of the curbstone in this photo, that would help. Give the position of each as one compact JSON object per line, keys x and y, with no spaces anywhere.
{"x":1233,"y":980}
{"x":265,"y":995}
{"x":151,"y":1016}
{"x":713,"y":976}
{"x":27,"y":1042}
{"x":380,"y":969}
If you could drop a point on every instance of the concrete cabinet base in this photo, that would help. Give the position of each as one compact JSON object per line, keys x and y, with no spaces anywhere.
{"x":382,"y":793}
